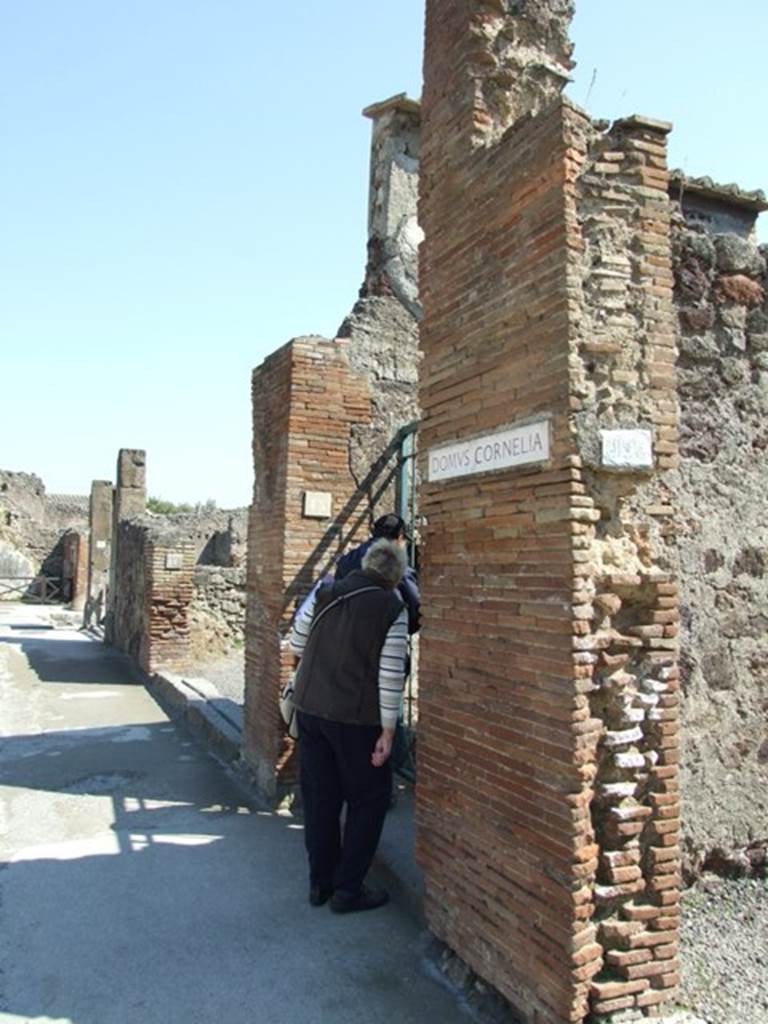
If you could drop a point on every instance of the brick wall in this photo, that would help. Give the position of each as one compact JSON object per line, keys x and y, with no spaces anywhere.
{"x":547,"y":797}
{"x":306,"y":400}
{"x":153,"y":592}
{"x":74,"y":568}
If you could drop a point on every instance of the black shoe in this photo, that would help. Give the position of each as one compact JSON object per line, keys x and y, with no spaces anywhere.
{"x":366,"y":899}
{"x":318,"y":895}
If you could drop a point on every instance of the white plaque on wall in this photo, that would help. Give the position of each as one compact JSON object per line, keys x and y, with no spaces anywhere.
{"x":627,"y":449}
{"x":317,"y":504}
{"x":174,"y":560}
{"x":515,"y":446}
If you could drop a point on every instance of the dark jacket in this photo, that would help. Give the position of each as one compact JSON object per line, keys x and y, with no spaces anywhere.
{"x":408,"y":588}
{"x":338,"y":675}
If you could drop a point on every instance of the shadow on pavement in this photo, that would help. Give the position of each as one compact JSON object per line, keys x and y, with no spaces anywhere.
{"x":56,"y":660}
{"x":176,"y":901}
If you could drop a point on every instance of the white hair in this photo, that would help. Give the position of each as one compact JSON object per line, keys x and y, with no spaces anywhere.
{"x":387,"y":558}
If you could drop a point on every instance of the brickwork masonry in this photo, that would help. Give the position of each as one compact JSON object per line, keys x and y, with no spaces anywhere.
{"x":548,"y":735}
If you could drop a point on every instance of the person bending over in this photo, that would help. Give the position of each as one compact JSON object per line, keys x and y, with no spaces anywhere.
{"x":351,"y":639}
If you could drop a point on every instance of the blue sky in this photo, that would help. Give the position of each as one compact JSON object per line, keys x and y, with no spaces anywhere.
{"x":183,"y":188}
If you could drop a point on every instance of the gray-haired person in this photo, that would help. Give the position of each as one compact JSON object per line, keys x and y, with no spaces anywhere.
{"x":352,"y":641}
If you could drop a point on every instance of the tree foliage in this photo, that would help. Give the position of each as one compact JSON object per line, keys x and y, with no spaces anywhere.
{"x":162,"y":507}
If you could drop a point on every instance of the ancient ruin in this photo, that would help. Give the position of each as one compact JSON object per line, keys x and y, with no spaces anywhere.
{"x":592,"y":345}
{"x":581,"y":338}
{"x":327,"y":421}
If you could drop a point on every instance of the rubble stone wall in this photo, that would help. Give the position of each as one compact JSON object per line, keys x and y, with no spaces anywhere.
{"x":720,"y":292}
{"x":32,"y":524}
{"x":382,"y":328}
{"x":218,"y":536}
{"x":624,"y":347}
{"x":217,"y":613}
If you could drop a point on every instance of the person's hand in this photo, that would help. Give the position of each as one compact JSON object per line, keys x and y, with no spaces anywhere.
{"x":383,"y":748}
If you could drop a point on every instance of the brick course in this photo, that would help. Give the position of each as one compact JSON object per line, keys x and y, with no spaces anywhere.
{"x":306,"y":400}
{"x":550,"y":608}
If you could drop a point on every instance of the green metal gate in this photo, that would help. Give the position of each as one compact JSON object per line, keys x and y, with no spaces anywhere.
{"x":407,"y":504}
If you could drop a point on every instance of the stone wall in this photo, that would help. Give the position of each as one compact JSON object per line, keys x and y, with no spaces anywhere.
{"x":129,"y":597}
{"x":217,"y":613}
{"x":99,"y":551}
{"x":720,"y":290}
{"x":219,"y":536}
{"x":383,"y":326}
{"x":32,"y":524}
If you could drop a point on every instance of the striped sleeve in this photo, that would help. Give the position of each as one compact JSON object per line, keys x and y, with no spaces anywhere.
{"x":301,"y":625}
{"x":392,"y":670}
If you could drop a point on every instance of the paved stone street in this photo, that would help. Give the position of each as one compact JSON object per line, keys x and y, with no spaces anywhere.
{"x":136,"y":886}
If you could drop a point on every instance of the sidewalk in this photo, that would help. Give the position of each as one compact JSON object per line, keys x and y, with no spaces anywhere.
{"x":217,"y":723}
{"x":138,"y":885}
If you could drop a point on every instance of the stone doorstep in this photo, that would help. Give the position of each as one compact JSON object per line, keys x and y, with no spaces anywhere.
{"x":217,"y":723}
{"x":214,"y":720}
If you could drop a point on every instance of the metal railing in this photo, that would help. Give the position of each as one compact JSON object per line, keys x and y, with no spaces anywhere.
{"x":407,"y":503}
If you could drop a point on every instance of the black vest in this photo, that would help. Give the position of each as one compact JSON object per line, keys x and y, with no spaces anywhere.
{"x":338,"y":676}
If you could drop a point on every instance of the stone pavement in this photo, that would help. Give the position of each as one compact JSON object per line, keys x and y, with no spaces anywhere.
{"x":137,"y":885}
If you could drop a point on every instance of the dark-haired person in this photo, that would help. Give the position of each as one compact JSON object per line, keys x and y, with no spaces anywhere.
{"x":352,"y":641}
{"x":390,"y":527}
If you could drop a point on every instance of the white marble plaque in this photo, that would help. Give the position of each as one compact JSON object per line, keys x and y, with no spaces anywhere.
{"x":627,"y":449}
{"x":515,"y":446}
{"x":174,"y":560}
{"x":317,"y":504}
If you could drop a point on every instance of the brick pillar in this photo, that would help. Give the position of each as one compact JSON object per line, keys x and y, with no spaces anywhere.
{"x":74,"y":568}
{"x":169,"y":572}
{"x":306,"y":502}
{"x":100,"y":523}
{"x":130,"y":500}
{"x":547,"y":797}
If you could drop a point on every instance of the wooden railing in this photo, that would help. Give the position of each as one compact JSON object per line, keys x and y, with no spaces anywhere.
{"x":40,"y":589}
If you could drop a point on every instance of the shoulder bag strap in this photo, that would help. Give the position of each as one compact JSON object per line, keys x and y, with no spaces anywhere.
{"x":338,"y":600}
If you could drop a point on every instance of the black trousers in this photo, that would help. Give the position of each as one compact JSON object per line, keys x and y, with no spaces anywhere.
{"x":336,"y":769}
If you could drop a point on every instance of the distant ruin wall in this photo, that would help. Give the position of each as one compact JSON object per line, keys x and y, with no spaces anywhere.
{"x":32,"y":524}
{"x":218,"y":536}
{"x":720,"y":291}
